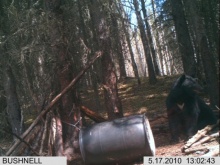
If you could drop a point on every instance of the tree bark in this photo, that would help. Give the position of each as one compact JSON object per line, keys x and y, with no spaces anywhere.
{"x":127,"y":37}
{"x":68,"y":113}
{"x":109,"y":77}
{"x":140,"y":60}
{"x":204,"y":49}
{"x":151,"y":72}
{"x":13,"y":107}
{"x":150,"y":39}
{"x":91,"y":43}
{"x":211,"y":12}
{"x":116,"y":40}
{"x":210,"y":72}
{"x":158,"y":44}
{"x":183,"y":37}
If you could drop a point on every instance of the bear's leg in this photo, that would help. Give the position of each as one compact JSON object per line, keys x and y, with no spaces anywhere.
{"x":191,"y":124}
{"x":174,"y":125}
{"x":206,"y":116}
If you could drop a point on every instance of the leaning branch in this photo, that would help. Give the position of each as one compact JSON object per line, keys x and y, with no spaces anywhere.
{"x":54,"y":101}
{"x":92,"y":115}
{"x":22,"y":140}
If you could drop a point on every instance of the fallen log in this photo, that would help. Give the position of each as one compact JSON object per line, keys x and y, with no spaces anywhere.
{"x":92,"y":115}
{"x":54,"y":101}
{"x":200,"y":134}
{"x":206,"y":139}
{"x":192,"y":150}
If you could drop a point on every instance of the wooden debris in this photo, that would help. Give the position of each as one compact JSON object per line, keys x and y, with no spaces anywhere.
{"x":202,"y":136}
{"x":206,"y":139}
{"x":92,"y":115}
{"x":54,"y":101}
{"x":192,"y":150}
{"x":24,"y":141}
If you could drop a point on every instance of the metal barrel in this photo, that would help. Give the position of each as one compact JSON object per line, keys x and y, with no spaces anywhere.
{"x":121,"y":140}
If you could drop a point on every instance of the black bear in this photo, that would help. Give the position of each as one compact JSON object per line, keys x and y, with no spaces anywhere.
{"x":185,"y":110}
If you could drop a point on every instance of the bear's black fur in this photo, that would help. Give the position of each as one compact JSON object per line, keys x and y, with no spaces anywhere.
{"x":186,"y":111}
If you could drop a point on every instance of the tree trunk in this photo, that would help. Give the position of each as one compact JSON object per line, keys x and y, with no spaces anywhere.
{"x":150,"y":39}
{"x":112,"y":100}
{"x":205,"y":51}
{"x":210,"y":72}
{"x":183,"y":37}
{"x":117,"y":43}
{"x":151,"y":72}
{"x":211,"y":12}
{"x":140,"y":60}
{"x":109,"y":77}
{"x":91,"y":43}
{"x":68,"y":112}
{"x":36,"y":101}
{"x":158,"y":44}
{"x":127,"y":37}
{"x":134,"y":65}
{"x":15,"y":117}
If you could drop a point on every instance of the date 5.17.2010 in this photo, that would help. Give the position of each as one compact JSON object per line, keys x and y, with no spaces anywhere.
{"x":180,"y":160}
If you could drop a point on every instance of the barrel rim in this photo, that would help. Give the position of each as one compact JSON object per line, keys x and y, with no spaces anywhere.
{"x":147,"y":132}
{"x":81,"y":146}
{"x":149,"y":136}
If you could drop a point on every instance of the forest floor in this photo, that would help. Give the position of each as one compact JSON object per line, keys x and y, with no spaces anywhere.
{"x":148,"y":99}
{"x":140,"y":99}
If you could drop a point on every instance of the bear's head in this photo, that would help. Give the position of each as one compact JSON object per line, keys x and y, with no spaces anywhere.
{"x":188,"y":84}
